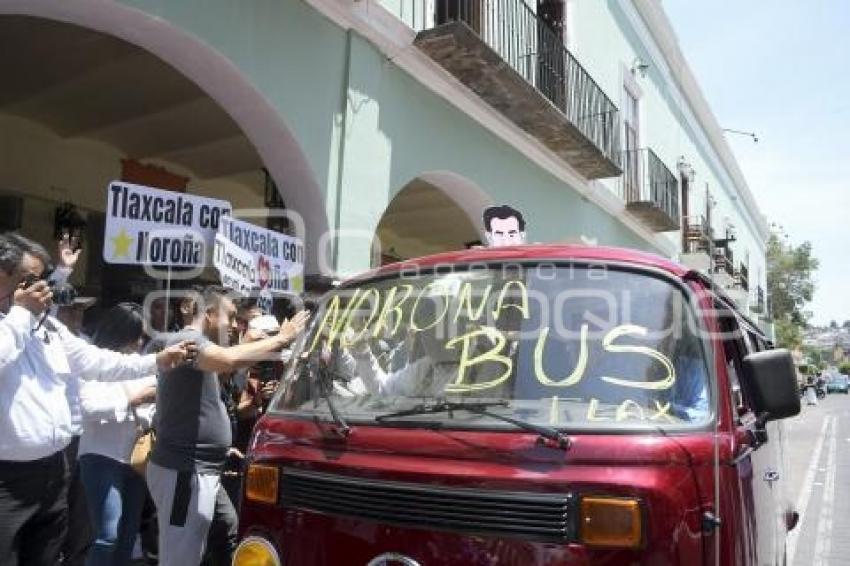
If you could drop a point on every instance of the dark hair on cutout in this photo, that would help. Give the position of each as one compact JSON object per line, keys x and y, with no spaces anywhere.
{"x":13,"y":247}
{"x":120,"y":326}
{"x":502,"y":212}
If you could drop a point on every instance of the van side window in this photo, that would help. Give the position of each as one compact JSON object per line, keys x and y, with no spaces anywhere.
{"x":756,"y":345}
{"x":734,"y":350}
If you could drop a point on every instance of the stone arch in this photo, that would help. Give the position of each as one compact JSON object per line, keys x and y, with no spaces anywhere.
{"x":436,"y":211}
{"x":220,"y":79}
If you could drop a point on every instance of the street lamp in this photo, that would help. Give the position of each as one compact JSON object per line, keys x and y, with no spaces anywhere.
{"x":684,"y":168}
{"x":740,"y":133}
{"x":639,"y":66}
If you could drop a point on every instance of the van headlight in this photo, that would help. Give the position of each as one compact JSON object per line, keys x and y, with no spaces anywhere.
{"x":256,"y":551}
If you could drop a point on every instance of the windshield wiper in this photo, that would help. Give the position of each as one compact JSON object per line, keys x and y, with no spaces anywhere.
{"x":481,"y":408}
{"x":326,"y":380}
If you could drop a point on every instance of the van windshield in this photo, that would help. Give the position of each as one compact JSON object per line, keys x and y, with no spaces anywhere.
{"x":562,"y":346}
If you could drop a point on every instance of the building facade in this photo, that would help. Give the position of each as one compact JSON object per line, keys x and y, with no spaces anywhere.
{"x":390,"y":122}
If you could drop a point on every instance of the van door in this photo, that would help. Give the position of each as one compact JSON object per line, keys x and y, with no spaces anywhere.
{"x":780,"y":487}
{"x":757,"y":471}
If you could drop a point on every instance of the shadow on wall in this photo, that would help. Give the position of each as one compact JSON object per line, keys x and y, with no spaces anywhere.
{"x":220,"y":79}
{"x":436,"y":212}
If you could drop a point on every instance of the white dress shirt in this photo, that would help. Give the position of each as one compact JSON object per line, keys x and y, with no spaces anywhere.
{"x":35,"y":419}
{"x":109,"y":427}
{"x":424,"y":377}
{"x":59,"y":276}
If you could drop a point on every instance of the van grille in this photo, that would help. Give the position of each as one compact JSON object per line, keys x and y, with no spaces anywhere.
{"x":545,"y":517}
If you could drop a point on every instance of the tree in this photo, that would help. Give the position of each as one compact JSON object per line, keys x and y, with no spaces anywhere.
{"x":788,"y":335}
{"x":833,"y":325}
{"x":790,"y":287}
{"x":846,"y":325}
{"x":814,"y":356}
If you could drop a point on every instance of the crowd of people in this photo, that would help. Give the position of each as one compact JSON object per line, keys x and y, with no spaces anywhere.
{"x":73,"y":409}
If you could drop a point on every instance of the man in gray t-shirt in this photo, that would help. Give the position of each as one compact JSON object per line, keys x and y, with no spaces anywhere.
{"x":193,"y":429}
{"x":192,"y":426}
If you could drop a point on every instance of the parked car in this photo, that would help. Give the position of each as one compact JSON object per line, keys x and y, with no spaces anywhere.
{"x":838,"y":383}
{"x":530,"y":406}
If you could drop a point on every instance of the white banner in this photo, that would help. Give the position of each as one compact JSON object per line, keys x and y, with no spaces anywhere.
{"x":148,"y":226}
{"x":252,"y":258}
{"x":237,"y":268}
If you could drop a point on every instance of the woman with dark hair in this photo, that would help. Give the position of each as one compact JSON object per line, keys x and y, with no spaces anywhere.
{"x":112,"y":413}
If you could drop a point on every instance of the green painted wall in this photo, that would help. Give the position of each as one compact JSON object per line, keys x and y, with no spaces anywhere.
{"x":367,"y":128}
{"x":397,"y":130}
{"x":290,"y":52}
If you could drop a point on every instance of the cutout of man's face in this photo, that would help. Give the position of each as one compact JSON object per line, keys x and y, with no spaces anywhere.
{"x":505,"y":232}
{"x":263,"y":271}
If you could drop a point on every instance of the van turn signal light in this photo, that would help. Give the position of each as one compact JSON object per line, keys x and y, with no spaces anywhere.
{"x":261,"y":483}
{"x":611,"y":521}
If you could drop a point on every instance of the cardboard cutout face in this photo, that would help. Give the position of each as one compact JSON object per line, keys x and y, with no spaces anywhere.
{"x":504,"y":226}
{"x":263,"y":271}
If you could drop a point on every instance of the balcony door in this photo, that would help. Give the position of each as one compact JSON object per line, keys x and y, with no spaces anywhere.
{"x":631,"y":163}
{"x":686,"y":185}
{"x":466,"y":11}
{"x":551,"y":59}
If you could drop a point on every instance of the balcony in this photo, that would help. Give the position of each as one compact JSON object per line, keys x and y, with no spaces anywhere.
{"x":519,"y":65}
{"x":742,"y":278}
{"x":723,"y":266}
{"x":698,"y":243}
{"x":650,"y":190}
{"x":759,"y":304}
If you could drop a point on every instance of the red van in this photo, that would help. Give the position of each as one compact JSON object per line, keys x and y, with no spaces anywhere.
{"x":538,"y":405}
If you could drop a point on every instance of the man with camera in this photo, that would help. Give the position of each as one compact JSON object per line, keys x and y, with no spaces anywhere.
{"x":38,"y":356}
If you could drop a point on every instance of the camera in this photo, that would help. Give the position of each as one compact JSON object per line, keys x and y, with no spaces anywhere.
{"x":63,"y":293}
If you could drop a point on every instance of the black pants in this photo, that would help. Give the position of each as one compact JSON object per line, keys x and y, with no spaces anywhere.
{"x":80,"y":535}
{"x":149,"y":531}
{"x":33,"y":510}
{"x":222,"y":537}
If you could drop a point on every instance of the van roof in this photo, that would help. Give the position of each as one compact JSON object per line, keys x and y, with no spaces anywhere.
{"x":550,"y":252}
{"x":555,"y":252}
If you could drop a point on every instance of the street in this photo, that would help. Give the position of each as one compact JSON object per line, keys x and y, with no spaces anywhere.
{"x":819,"y":468}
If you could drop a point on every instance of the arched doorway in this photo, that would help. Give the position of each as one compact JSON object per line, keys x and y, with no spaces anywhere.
{"x":224,"y":112}
{"x":435,"y":212}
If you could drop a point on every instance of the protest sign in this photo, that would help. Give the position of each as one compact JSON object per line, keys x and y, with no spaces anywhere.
{"x":148,"y":226}
{"x":252,"y":258}
{"x":236,"y":267}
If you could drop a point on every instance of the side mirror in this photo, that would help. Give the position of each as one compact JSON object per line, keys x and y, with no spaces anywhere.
{"x":771,"y":378}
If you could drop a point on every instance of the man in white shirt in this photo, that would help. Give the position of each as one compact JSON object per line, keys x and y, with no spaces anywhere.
{"x":79,"y":537}
{"x":38,"y":355}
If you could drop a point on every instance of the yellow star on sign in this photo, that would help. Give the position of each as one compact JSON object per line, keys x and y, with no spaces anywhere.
{"x":121,"y":244}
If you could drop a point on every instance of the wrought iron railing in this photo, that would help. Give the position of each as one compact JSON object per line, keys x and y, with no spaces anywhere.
{"x":760,"y":305}
{"x":534,"y":50}
{"x":646,"y":179}
{"x":698,"y":235}
{"x":742,"y":277}
{"x":724,"y":261}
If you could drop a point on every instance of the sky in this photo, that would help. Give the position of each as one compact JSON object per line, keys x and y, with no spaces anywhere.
{"x":781,"y":69}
